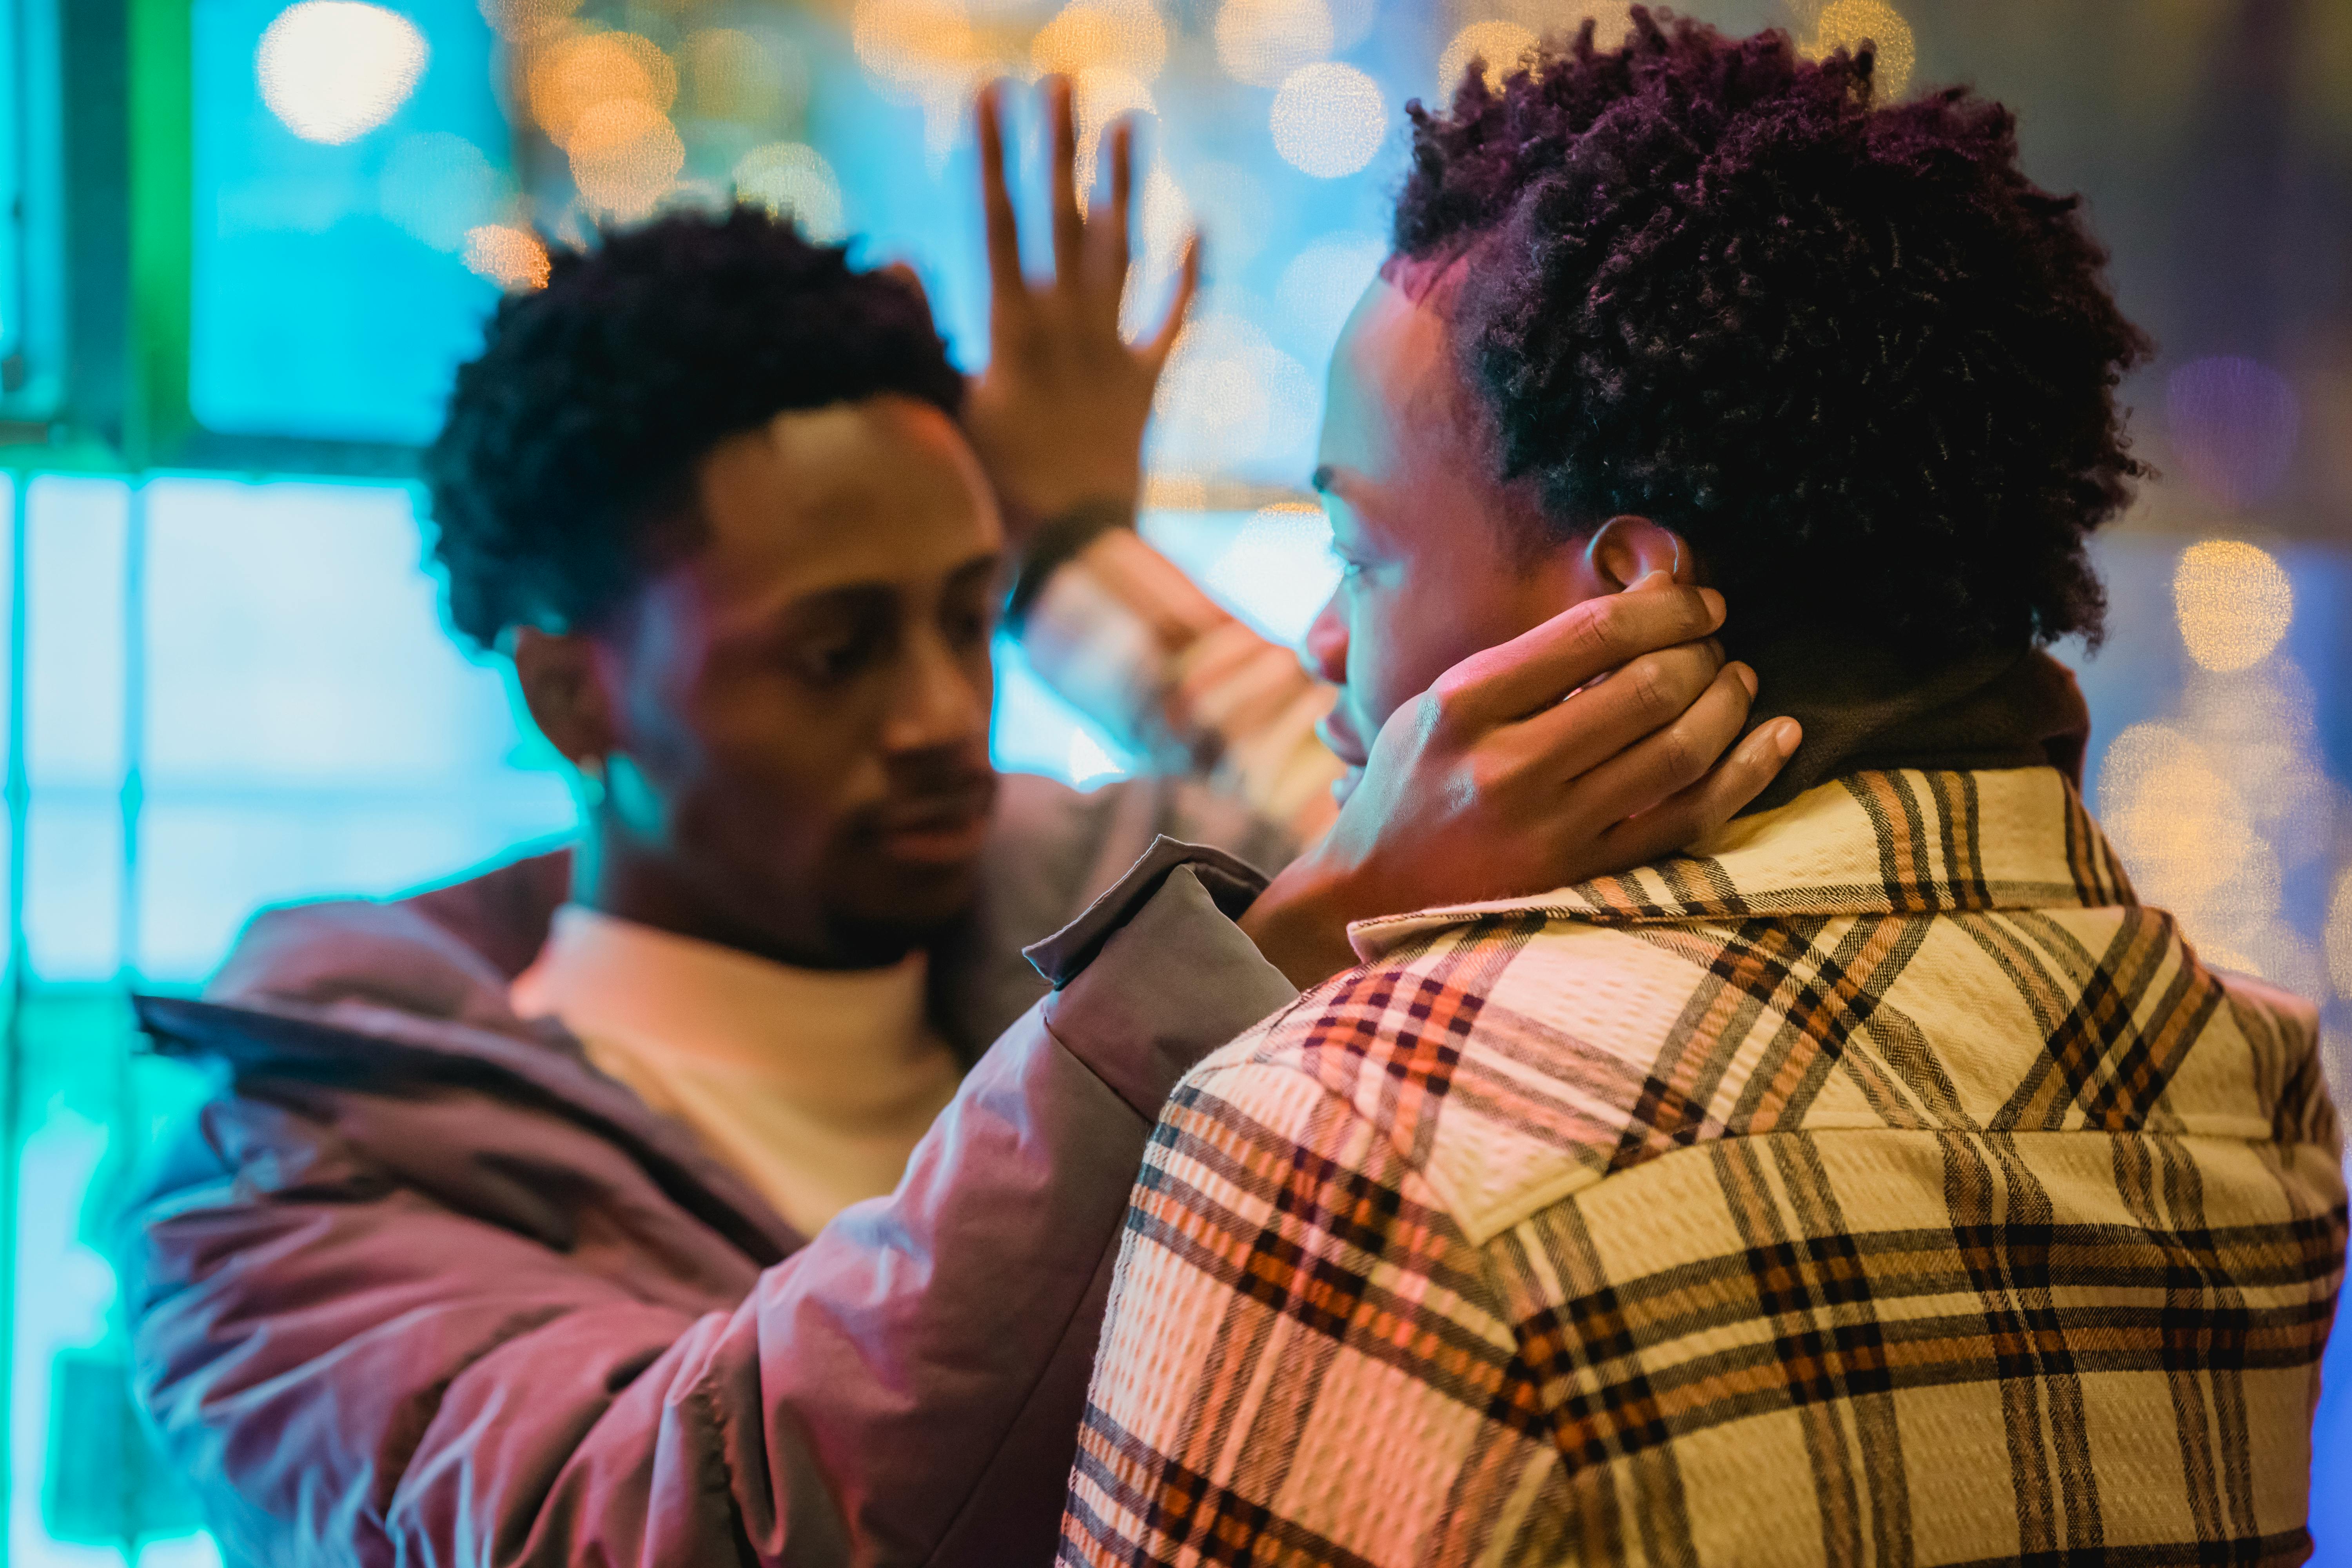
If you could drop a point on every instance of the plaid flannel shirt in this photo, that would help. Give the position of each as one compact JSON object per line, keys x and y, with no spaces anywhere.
{"x":1882,"y":1185}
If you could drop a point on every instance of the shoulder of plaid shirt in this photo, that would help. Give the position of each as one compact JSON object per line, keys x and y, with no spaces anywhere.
{"x":1880,"y":1182}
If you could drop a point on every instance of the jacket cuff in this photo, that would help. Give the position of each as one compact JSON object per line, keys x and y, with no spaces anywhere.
{"x":1155,"y":974}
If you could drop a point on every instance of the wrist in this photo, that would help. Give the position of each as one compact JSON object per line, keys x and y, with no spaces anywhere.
{"x":1053,"y":543}
{"x":1300,"y":922}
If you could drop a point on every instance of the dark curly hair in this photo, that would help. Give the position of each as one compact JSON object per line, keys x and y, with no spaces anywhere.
{"x":564,"y":470}
{"x":1847,"y":350}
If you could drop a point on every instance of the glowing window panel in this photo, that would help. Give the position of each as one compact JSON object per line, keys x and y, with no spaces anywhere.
{"x":331,"y":294}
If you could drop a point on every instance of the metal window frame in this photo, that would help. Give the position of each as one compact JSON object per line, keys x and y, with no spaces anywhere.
{"x":125,"y":166}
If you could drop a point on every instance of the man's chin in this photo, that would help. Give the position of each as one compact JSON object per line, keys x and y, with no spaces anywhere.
{"x":894,"y":906}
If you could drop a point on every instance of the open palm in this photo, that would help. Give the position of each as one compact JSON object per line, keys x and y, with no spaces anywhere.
{"x":1059,"y":414}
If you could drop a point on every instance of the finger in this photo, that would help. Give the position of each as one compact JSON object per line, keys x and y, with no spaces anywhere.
{"x":1539,"y":668}
{"x":1683,"y":819}
{"x":1664,"y":764}
{"x":1115,"y":249}
{"x":1566,"y":740}
{"x":1188,"y":284}
{"x":996,"y":200}
{"x":1069,"y":234}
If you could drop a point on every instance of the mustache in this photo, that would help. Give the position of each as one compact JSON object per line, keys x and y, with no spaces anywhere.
{"x":929,"y":793}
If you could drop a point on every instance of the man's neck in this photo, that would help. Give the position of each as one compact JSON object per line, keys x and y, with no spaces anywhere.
{"x":1863,"y":709}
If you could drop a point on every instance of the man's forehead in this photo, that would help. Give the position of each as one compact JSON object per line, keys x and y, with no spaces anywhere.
{"x":856,"y":492}
{"x":1394,"y":373}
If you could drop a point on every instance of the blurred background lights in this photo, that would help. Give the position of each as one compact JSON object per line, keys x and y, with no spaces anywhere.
{"x":1124,"y":36}
{"x":731,"y":75}
{"x":2178,"y":822}
{"x":624,"y":154}
{"x":1279,"y":569}
{"x":1559,"y":19}
{"x":790,"y":178}
{"x":1351,"y":22}
{"x":1322,"y":284}
{"x":2233,"y":603}
{"x":334,"y":69}
{"x":911,"y":44}
{"x":1234,"y":212}
{"x":438,"y":186}
{"x":1231,"y":400}
{"x":519,"y":20}
{"x":1848,"y":24}
{"x":513,"y":258}
{"x":2339,"y":934}
{"x":1100,"y":96}
{"x":584,"y":72}
{"x":1262,"y":42}
{"x":1329,"y":120}
{"x":2232,"y":423}
{"x":1502,"y":45}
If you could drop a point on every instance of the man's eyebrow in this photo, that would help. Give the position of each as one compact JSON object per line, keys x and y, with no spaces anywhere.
{"x":980,"y":566}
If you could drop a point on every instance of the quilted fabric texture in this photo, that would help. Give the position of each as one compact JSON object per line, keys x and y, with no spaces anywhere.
{"x":1881,"y":1184}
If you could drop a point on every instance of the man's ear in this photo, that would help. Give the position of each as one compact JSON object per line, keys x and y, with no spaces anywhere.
{"x":1626,"y":549}
{"x":557,"y":672}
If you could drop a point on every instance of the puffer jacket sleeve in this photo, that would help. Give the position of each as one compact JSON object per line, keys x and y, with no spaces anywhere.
{"x":355,"y":1371}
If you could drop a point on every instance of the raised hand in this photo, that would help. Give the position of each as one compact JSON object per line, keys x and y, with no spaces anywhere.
{"x":1059,"y":416}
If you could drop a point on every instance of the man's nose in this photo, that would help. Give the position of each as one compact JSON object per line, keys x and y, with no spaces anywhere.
{"x":1325,"y":651}
{"x":936,"y":703}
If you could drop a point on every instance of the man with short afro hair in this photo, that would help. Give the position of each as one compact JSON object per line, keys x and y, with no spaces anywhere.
{"x":1877,"y":1180}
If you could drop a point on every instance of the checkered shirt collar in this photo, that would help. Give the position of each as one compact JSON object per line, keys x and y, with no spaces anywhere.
{"x":1909,"y":842}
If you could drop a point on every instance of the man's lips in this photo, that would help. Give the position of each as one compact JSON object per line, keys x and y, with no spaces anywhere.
{"x":945,"y":827}
{"x":1334,"y":731}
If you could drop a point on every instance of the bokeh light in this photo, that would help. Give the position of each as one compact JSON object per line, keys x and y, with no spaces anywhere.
{"x":333,"y":69}
{"x":624,"y":154}
{"x":581,"y":73}
{"x":2233,"y":424}
{"x":1847,"y":24}
{"x":1101,"y":96}
{"x":1279,"y":567}
{"x":2233,"y":603}
{"x":2339,"y":936}
{"x":1351,"y":22}
{"x":1231,"y":399}
{"x":791,"y":179}
{"x":436,"y":186}
{"x":1502,"y":45}
{"x":521,"y":20}
{"x":732,"y":75}
{"x":513,"y":258}
{"x":1322,"y":284}
{"x":2176,"y":819}
{"x":911,"y":45}
{"x":1125,"y":36}
{"x":1234,"y":210}
{"x":1559,"y":19}
{"x":1263,"y":42}
{"x":1329,"y":120}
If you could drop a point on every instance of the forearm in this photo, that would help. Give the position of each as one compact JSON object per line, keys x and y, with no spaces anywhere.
{"x":1126,"y":636}
{"x":907,"y":1388}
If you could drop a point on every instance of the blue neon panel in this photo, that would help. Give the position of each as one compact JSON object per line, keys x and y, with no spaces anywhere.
{"x":316,"y":312}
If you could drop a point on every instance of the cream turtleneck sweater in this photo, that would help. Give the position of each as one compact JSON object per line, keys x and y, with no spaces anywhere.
{"x":812,"y":1085}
